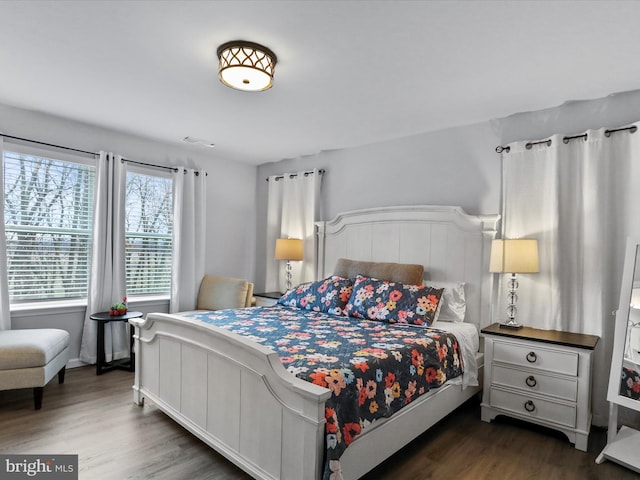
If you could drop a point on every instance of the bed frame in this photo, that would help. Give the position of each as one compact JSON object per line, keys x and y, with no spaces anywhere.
{"x":236,"y":395}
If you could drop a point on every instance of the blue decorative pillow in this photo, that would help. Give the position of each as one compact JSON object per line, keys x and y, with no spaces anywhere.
{"x":393,"y":302}
{"x":329,"y":295}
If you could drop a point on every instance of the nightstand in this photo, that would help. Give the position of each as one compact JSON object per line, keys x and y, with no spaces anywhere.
{"x":541,"y":376}
{"x":267,"y":299}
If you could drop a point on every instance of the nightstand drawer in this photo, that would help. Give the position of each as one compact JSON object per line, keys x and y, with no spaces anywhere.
{"x":565,"y":388}
{"x":535,"y":356}
{"x":534,"y":407}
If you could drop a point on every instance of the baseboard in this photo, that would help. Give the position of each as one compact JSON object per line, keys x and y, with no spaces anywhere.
{"x":75,"y":363}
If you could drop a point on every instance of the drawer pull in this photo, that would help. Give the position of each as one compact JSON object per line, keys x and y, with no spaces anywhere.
{"x":532,"y":357}
{"x":531,"y":381}
{"x":529,"y":406}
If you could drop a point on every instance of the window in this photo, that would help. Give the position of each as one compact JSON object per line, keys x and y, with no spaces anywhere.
{"x":148,"y":226}
{"x":48,"y":209}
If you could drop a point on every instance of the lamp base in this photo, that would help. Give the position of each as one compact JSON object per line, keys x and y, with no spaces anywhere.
{"x":511,"y":324}
{"x":288,"y":275}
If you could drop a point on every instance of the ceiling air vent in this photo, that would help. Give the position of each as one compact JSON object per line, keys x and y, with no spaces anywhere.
{"x":198,"y":141}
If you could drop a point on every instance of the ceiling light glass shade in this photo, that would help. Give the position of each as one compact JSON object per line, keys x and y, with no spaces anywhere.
{"x":246,"y":66}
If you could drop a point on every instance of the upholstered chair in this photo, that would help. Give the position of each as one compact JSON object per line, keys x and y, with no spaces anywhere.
{"x":218,"y":293}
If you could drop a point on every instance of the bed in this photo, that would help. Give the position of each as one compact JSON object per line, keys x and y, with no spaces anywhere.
{"x":235,"y":393}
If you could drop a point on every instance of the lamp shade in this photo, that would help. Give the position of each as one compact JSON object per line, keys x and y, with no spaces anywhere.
{"x":635,"y":298}
{"x":514,"y":256}
{"x":288,"y":249}
{"x":246,"y":66}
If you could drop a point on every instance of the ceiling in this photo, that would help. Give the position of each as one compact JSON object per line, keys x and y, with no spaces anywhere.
{"x":349,"y":73}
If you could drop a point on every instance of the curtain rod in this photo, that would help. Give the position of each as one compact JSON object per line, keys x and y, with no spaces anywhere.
{"x":632,"y":129}
{"x":568,"y":138}
{"x":48,"y":144}
{"x":175,"y":169}
{"x":85,"y":151}
{"x":293,"y":175}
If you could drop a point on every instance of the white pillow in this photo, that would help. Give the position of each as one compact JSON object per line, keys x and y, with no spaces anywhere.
{"x":453,"y":305}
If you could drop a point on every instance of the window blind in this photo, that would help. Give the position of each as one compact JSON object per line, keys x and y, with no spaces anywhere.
{"x":148,"y":233}
{"x":48,"y":208}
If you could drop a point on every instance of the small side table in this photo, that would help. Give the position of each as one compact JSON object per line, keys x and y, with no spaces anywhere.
{"x":102,"y":365}
{"x":267,"y":299}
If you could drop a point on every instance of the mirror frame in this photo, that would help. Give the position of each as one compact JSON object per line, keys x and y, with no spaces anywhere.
{"x":620,"y":333}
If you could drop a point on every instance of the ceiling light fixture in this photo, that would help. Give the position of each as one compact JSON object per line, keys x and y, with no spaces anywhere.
{"x":246,"y":66}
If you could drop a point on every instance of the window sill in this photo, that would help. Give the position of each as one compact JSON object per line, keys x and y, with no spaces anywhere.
{"x":46,"y":308}
{"x":68,"y":306}
{"x":142,"y":300}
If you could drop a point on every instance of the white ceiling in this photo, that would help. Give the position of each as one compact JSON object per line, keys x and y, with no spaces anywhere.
{"x":349,"y":72}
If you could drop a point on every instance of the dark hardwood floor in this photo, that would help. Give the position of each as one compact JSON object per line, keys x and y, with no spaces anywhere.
{"x":94,"y":417}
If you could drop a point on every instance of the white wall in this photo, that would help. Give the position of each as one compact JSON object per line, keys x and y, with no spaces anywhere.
{"x":230,"y":200}
{"x":451,"y":167}
{"x":572,"y":117}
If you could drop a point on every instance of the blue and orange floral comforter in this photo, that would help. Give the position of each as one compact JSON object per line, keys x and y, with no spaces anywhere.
{"x":630,"y":383}
{"x":372,"y":368}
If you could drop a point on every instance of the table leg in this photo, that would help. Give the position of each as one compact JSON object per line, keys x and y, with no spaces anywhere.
{"x":132,"y":355}
{"x":100,"y":361}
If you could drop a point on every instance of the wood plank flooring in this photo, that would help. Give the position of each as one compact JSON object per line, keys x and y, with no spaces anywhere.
{"x":94,"y":417}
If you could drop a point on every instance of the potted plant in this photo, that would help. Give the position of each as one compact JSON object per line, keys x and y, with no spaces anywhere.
{"x":119,"y":308}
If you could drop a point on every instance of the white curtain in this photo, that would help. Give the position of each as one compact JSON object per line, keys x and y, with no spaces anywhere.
{"x":292,"y":210}
{"x":577,"y":199}
{"x":107,"y":281}
{"x":573,"y":197}
{"x":189,"y":201}
{"x":5,"y":315}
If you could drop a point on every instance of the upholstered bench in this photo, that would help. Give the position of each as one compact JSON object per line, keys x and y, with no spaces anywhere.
{"x":29,"y":358}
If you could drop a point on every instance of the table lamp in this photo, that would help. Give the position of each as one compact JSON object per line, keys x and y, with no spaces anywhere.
{"x":513,"y":256}
{"x":289,"y":249}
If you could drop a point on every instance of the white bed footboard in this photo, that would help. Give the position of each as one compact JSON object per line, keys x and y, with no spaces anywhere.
{"x":233,"y":394}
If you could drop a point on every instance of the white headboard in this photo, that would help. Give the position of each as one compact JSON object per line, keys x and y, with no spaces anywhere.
{"x":449,"y":243}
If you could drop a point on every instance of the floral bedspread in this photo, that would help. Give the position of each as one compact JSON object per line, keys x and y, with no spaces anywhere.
{"x":372,"y":368}
{"x":630,"y":383}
